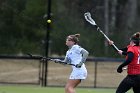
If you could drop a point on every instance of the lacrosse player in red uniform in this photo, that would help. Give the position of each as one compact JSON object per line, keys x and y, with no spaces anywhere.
{"x":132,"y":80}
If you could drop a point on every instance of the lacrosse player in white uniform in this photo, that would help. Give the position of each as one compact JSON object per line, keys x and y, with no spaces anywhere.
{"x":75,"y":55}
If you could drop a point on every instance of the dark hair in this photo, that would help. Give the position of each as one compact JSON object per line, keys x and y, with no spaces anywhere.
{"x":74,"y":38}
{"x":136,"y":38}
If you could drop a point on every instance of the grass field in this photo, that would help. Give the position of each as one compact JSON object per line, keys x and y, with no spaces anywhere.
{"x":36,"y":89}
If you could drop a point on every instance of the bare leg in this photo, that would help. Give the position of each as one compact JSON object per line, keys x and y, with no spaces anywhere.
{"x":71,"y":84}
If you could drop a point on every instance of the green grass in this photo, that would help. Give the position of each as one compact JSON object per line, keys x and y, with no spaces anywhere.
{"x":36,"y":89}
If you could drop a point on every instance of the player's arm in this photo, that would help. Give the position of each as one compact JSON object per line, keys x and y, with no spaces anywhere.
{"x":126,"y":62}
{"x":85,"y":54}
{"x":122,"y":51}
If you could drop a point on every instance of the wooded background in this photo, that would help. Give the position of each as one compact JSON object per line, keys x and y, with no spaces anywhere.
{"x":23,"y":25}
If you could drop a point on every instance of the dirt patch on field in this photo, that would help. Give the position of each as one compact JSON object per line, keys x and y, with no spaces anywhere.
{"x":106,"y":75}
{"x":28,"y":71}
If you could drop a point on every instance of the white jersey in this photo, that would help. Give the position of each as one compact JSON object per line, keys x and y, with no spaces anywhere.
{"x":74,"y":56}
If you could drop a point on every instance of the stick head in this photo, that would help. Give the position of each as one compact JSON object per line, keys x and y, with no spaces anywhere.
{"x":89,"y":19}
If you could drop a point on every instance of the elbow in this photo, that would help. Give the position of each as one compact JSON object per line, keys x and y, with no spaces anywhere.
{"x":87,"y":53}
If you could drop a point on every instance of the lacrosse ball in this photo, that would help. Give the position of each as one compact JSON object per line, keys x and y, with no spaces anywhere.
{"x":48,"y":21}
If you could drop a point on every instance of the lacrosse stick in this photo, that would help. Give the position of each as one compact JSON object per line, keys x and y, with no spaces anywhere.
{"x":61,"y":62}
{"x":91,"y":21}
{"x":43,"y":59}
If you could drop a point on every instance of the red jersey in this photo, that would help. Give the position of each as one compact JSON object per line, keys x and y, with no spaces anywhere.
{"x":134,"y":65}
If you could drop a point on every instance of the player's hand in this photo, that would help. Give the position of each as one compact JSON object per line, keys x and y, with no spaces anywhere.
{"x":79,"y":65}
{"x":120,"y":52}
{"x":119,"y":69}
{"x":110,"y":42}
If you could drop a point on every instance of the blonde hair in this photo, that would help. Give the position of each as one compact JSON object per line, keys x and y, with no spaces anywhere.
{"x":74,"y":38}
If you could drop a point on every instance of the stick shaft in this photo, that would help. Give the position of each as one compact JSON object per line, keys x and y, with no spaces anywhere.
{"x":61,"y":62}
{"x":51,"y":59}
{"x":113,"y":45}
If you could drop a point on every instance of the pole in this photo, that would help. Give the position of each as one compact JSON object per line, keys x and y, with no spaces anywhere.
{"x":47,"y":41}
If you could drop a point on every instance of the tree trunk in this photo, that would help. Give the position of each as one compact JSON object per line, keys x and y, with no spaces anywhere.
{"x":129,"y":18}
{"x":106,"y":16}
{"x":113,"y":15}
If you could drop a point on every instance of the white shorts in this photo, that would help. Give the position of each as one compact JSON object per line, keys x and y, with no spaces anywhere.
{"x":78,"y":73}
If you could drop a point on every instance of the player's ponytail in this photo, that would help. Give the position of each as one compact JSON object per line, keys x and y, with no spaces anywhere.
{"x":77,"y":35}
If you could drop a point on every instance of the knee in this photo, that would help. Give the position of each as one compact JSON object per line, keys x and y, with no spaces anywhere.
{"x":68,"y":89}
